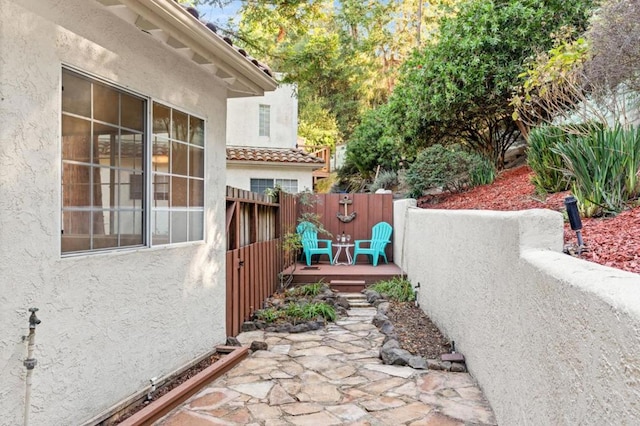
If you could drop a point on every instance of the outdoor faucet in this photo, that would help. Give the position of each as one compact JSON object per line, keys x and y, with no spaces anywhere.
{"x":33,"y":319}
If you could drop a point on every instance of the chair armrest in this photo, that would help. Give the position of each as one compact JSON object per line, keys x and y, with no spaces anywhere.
{"x":358,"y":242}
{"x":327,"y":242}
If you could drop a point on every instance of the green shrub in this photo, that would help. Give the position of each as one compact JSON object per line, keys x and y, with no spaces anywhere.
{"x":605,"y":166}
{"x":270,"y":314}
{"x":386,"y":179}
{"x":450,"y":168}
{"x":321,"y":309}
{"x":546,"y":163}
{"x":397,"y":288}
{"x":308,"y":290}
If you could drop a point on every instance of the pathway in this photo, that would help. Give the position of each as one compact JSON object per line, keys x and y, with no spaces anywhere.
{"x":332,"y":377}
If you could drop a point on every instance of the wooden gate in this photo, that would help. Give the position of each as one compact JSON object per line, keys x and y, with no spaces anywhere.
{"x":254,"y":227}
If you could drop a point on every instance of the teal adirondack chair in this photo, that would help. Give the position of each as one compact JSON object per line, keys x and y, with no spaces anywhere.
{"x":311,"y":244}
{"x":380,"y":237}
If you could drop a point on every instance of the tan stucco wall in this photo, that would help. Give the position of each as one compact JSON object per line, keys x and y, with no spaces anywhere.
{"x":552,"y":340}
{"x":239,"y":176}
{"x":110,"y":321}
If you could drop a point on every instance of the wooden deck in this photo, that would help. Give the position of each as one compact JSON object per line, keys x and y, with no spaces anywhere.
{"x":348,"y":278}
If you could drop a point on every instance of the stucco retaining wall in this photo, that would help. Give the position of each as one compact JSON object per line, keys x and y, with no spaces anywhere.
{"x":552,"y":340}
{"x":110,"y":321}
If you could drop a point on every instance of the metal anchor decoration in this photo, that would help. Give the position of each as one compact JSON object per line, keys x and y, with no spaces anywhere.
{"x":346,"y":217}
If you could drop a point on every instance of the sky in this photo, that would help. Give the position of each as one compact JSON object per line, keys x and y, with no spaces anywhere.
{"x":217,"y":15}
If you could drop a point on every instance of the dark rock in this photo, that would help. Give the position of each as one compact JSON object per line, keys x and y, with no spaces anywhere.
{"x":257,"y":345}
{"x":457,"y":367}
{"x":315,"y":325}
{"x":434,"y":364}
{"x":248,"y":326}
{"x":343,"y":302}
{"x":232,"y":341}
{"x":270,"y":329}
{"x":383,"y":308}
{"x":387,"y":327}
{"x":391,"y":343}
{"x":260,"y":324}
{"x":300,"y":328}
{"x":372,"y":296}
{"x":395,"y":356}
{"x":390,"y":336}
{"x":284,"y":328}
{"x":417,"y":362}
{"x":379,"y":319}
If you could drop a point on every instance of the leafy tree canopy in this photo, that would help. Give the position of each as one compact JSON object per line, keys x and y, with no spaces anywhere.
{"x":459,"y":88}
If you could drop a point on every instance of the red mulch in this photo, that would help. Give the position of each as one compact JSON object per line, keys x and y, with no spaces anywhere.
{"x":613,"y":241}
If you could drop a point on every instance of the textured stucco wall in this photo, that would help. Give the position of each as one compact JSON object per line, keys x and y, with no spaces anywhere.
{"x":553,"y":340}
{"x":109,"y":321}
{"x":400,"y":210}
{"x":243,"y":119}
{"x":239,"y":176}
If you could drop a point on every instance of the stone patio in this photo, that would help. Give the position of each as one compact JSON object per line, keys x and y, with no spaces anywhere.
{"x":332,"y":377}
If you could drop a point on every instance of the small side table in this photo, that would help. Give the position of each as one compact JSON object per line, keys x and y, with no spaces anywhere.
{"x":341,"y":247}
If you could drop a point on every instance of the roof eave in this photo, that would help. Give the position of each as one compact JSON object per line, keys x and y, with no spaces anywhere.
{"x":168,"y":22}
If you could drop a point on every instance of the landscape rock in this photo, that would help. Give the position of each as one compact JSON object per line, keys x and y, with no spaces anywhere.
{"x":300,"y":328}
{"x":395,"y":356}
{"x":383,"y":308}
{"x":248,"y":326}
{"x":417,"y":362}
{"x":232,"y":341}
{"x":379,"y":319}
{"x":257,"y":345}
{"x":390,"y":336}
{"x":343,"y":302}
{"x":458,"y":367}
{"x":284,"y":328}
{"x":386,"y":327}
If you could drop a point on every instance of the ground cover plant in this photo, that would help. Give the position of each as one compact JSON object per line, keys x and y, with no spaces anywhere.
{"x":397,"y":289}
{"x":610,"y":241}
{"x":297,"y":305}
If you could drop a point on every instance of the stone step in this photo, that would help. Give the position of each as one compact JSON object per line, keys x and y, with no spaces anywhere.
{"x":347,"y":286}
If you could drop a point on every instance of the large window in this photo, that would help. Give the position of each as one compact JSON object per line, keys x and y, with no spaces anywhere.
{"x":264,"y":121}
{"x":105,"y":181}
{"x":287,"y":185}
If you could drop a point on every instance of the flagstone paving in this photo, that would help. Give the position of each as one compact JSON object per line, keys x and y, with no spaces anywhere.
{"x":332,"y":377}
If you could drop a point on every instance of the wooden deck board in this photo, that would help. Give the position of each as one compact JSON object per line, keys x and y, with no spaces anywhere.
{"x":353,"y":277}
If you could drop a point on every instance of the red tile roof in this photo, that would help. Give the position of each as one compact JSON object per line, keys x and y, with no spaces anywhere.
{"x":271,"y":155}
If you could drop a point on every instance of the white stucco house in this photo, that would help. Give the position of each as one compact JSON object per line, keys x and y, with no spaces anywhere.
{"x":262,"y":137}
{"x":112,"y":184}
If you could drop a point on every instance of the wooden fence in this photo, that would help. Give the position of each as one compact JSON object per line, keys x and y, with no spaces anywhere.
{"x":368,"y":210}
{"x":254,"y":227}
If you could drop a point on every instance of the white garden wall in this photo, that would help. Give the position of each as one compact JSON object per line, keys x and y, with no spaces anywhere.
{"x":110,"y":321}
{"x":552,"y":340}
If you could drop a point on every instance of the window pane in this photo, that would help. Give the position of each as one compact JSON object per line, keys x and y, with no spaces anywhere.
{"x":161,"y":190}
{"x":260,"y":185}
{"x":105,"y":229}
{"x":180,"y":126}
{"x":196,"y":162}
{"x":76,"y":139}
{"x":179,"y":152}
{"x":132,"y":112}
{"x":160,"y":155}
{"x":135,"y":189}
{"x":76,"y":94}
{"x":108,"y":150}
{"x":75,"y":235}
{"x":76,"y":190}
{"x":160,"y":227}
{"x":196,"y":226}
{"x":178,"y":192}
{"x":161,"y":120}
{"x":196,"y":131}
{"x":288,"y":185}
{"x":106,"y":187}
{"x":130,"y":228}
{"x":106,"y":104}
{"x":264,"y":120}
{"x":196,"y":193}
{"x":131,"y":150}
{"x":178,"y":227}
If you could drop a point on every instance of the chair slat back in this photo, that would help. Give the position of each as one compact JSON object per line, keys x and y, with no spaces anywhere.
{"x":309,"y":235}
{"x":380,"y":234}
